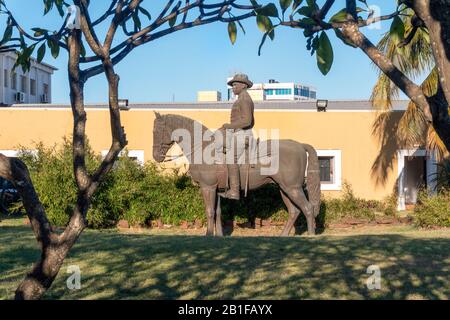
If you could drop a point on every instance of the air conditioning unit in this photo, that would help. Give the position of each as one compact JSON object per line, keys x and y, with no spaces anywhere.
{"x":20,"y":97}
{"x":44,"y":98}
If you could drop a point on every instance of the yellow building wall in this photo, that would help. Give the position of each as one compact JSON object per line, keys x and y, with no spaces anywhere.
{"x":350,"y":132}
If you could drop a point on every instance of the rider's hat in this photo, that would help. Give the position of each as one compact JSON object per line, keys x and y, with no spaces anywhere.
{"x":242,"y":78}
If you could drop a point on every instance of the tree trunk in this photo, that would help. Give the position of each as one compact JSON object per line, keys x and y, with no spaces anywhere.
{"x":55,"y":247}
{"x":44,"y":272}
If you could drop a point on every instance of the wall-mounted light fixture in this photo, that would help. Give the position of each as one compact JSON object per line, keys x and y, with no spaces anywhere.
{"x":321,"y":105}
{"x":123,"y":104}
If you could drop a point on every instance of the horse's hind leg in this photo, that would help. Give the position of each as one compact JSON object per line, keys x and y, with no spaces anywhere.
{"x":209,"y":198}
{"x":219,"y":230}
{"x":293,"y":214}
{"x":297,"y":196}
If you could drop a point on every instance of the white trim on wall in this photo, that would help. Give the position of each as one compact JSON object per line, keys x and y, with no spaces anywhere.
{"x":9,"y":153}
{"x":139,"y":154}
{"x":337,"y":176}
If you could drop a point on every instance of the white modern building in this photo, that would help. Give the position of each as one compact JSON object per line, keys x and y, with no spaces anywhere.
{"x":274,"y":90}
{"x":17,"y":87}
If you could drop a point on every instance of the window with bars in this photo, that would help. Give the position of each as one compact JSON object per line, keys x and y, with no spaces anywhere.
{"x":23,"y":84}
{"x":13,"y":80}
{"x":326,"y":166}
{"x":32,"y":87}
{"x":5,"y":78}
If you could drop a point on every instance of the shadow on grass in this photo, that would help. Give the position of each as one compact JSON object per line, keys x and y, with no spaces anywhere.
{"x":119,"y":266}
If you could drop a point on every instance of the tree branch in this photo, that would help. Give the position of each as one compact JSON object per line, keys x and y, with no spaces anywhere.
{"x":326,"y":7}
{"x":413,"y":91}
{"x":88,"y":30}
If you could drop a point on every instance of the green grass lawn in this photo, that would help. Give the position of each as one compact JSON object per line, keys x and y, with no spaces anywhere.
{"x":169,"y":264}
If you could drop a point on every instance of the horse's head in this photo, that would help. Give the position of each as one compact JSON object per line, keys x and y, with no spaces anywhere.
{"x":162,"y":140}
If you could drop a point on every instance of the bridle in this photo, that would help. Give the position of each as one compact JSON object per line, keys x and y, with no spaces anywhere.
{"x":168,"y":145}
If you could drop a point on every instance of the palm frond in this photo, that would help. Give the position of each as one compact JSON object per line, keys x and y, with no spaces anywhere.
{"x":412,"y":127}
{"x":435,"y":143}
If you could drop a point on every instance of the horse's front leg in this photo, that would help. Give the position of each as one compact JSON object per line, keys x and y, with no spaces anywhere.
{"x":209,"y":198}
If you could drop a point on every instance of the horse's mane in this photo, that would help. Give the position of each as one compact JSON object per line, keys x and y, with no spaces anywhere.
{"x":179,"y":121}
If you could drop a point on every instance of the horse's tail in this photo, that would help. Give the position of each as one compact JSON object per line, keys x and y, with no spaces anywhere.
{"x":313,"y":179}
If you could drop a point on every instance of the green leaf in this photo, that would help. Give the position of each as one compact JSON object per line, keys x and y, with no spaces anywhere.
{"x":232,"y":31}
{"x":41,"y":53}
{"x":305,"y":11}
{"x":28,"y":52}
{"x":397,"y":28}
{"x":284,"y":4}
{"x":264,"y":23}
{"x":269,"y":10}
{"x":7,"y":35}
{"x":296,"y":4}
{"x":48,"y":6}
{"x":39,"y":32}
{"x":145,"y":12}
{"x":137,"y":21}
{"x":272,"y":34}
{"x":308,"y":21}
{"x":54,"y":48}
{"x":172,"y":21}
{"x":324,"y":54}
{"x":340,"y":16}
{"x":59,"y":6}
{"x":312,"y":4}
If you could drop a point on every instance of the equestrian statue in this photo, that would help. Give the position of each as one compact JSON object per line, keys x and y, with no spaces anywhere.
{"x":235,"y":161}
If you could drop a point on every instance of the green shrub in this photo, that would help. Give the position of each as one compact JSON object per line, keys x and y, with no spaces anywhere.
{"x":139,"y":194}
{"x":51,"y":171}
{"x":434,"y":210}
{"x":348,"y":206}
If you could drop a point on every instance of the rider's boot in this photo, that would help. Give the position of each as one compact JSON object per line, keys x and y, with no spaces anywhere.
{"x":233,"y":173}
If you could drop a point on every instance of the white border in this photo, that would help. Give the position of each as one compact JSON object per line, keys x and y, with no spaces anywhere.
{"x":337,"y":176}
{"x":139,"y":154}
{"x":431,"y":170}
{"x":9,"y":153}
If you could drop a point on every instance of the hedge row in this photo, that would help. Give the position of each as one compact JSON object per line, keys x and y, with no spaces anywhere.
{"x":140,"y":194}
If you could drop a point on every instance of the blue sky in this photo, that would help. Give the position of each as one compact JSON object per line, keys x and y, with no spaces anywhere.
{"x":201,"y":58}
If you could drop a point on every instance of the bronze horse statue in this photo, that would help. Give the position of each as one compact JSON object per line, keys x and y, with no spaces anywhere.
{"x":294,"y":159}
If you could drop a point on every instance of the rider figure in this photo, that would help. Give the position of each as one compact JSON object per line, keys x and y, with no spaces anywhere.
{"x":240,"y":127}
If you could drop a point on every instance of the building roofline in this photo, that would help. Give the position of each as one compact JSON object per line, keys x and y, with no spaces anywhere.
{"x":333,"y":105}
{"x":34,"y":60}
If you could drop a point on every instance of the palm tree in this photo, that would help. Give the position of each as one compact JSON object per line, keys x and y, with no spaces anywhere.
{"x":412,"y":55}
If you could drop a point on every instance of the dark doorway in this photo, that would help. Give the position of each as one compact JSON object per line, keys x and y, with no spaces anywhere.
{"x":415,"y":177}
